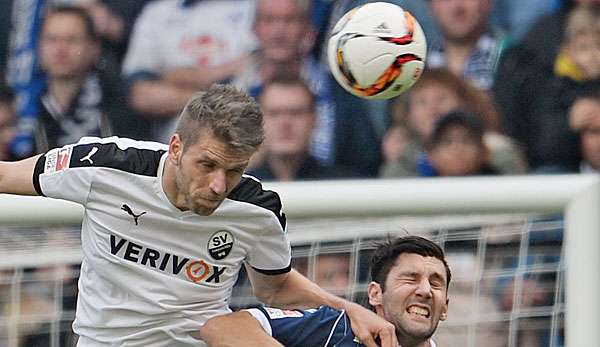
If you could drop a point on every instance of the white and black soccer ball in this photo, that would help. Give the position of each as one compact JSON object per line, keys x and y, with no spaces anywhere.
{"x":377,"y":51}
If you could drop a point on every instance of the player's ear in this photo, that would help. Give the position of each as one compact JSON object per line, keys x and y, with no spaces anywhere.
{"x":375,"y":294}
{"x":175,"y":148}
{"x":444,"y":314}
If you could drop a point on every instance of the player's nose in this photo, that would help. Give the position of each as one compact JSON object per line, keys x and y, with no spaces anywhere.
{"x":424,"y":288}
{"x":218,"y":182}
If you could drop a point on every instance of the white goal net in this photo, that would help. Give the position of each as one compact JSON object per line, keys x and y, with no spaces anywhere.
{"x":512,"y":244}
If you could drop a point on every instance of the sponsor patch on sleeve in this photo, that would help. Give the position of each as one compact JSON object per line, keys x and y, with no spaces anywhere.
{"x":58,"y":159}
{"x":275,"y":313}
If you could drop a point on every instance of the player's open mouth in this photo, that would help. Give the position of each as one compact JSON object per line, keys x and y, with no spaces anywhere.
{"x":418,"y":310}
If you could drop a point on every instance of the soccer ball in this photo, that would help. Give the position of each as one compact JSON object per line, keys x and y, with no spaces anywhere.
{"x":377,"y":51}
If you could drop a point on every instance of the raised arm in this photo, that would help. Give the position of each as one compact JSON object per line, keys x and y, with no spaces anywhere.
{"x":292,"y":290}
{"x":17,"y":177}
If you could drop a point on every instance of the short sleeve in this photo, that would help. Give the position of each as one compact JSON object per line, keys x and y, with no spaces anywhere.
{"x":272,"y":253}
{"x":68,"y":172}
{"x":58,"y":173}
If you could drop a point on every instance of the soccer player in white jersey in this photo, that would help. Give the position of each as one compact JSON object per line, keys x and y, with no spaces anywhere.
{"x":166,"y":228}
{"x":409,"y":288}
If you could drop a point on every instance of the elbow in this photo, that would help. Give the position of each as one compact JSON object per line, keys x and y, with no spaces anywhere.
{"x":267,"y":298}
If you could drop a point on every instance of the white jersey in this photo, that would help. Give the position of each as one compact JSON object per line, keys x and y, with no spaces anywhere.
{"x":151,"y":273}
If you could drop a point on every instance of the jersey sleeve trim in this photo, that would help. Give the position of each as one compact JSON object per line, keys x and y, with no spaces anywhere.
{"x":275,"y":271}
{"x":250,"y":190}
{"x":37,"y":171}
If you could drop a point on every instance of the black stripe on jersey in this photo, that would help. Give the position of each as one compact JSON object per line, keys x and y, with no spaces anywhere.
{"x":37,"y":171}
{"x":274,"y":272}
{"x":251,"y":191}
{"x":133,"y":160}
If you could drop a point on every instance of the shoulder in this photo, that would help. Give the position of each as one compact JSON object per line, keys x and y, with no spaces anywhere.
{"x":324,"y":326}
{"x":250,"y":190}
{"x":136,"y":157}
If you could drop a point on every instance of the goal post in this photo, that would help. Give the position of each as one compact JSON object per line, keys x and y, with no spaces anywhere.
{"x":576,"y":196}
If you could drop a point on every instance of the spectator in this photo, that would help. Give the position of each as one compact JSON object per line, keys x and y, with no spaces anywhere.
{"x":289,"y":118}
{"x":5,"y":30}
{"x":333,"y":272}
{"x":584,"y":118}
{"x":517,"y":16}
{"x":27,"y":308}
{"x":113,"y":21}
{"x":414,"y":114}
{"x":180,"y":47}
{"x":456,"y":148}
{"x":554,"y":147}
{"x":361,"y":124}
{"x":470,"y":46}
{"x":8,"y":119}
{"x":285,"y":37}
{"x":80,"y":100}
{"x":543,"y":40}
{"x":526,"y":69}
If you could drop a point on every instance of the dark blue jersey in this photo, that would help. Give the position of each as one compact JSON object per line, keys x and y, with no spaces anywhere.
{"x":322,"y":327}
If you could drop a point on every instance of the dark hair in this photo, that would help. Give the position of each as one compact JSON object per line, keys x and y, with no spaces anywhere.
{"x":387,"y":252}
{"x":78,"y":11}
{"x":463,"y":119}
{"x":228,"y":113}
{"x":7,"y":96}
{"x":288,"y":79}
{"x":475,"y":101}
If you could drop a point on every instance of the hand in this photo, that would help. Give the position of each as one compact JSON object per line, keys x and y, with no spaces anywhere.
{"x":394,"y":144}
{"x":583,"y":113}
{"x":108,"y":24}
{"x":367,"y":326}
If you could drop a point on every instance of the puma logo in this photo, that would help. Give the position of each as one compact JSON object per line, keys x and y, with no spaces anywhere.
{"x":89,"y":156}
{"x":130,"y":212}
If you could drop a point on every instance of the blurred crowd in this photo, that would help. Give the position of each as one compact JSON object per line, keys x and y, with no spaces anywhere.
{"x":511,"y":86}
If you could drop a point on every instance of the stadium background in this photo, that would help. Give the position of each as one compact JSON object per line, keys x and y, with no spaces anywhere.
{"x":508,"y":263}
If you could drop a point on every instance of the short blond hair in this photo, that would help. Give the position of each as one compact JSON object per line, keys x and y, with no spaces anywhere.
{"x":227,"y":113}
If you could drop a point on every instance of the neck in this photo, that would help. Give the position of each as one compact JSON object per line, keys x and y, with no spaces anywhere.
{"x":457,"y":52}
{"x":285,"y":167}
{"x":169,"y":185}
{"x":412,"y":343}
{"x":404,"y":341}
{"x":64,"y":90}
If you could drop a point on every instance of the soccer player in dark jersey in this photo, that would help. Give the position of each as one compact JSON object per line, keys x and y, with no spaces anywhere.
{"x":166,"y":228}
{"x":409,"y":288}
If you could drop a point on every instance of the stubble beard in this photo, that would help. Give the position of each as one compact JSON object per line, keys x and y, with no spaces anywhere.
{"x":411,"y":335}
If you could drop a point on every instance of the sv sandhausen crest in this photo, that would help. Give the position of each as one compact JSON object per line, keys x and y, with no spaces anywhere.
{"x":220,"y":244}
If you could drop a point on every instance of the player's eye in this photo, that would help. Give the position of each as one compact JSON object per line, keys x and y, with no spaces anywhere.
{"x":437,"y":284}
{"x":207,"y":164}
{"x":236,"y":171}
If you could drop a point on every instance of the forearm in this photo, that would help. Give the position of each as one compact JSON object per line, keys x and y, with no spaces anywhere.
{"x":217,"y":332}
{"x":202,"y":77}
{"x":299,"y":292}
{"x":158,"y":98}
{"x":16,"y":177}
{"x":189,"y":77}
